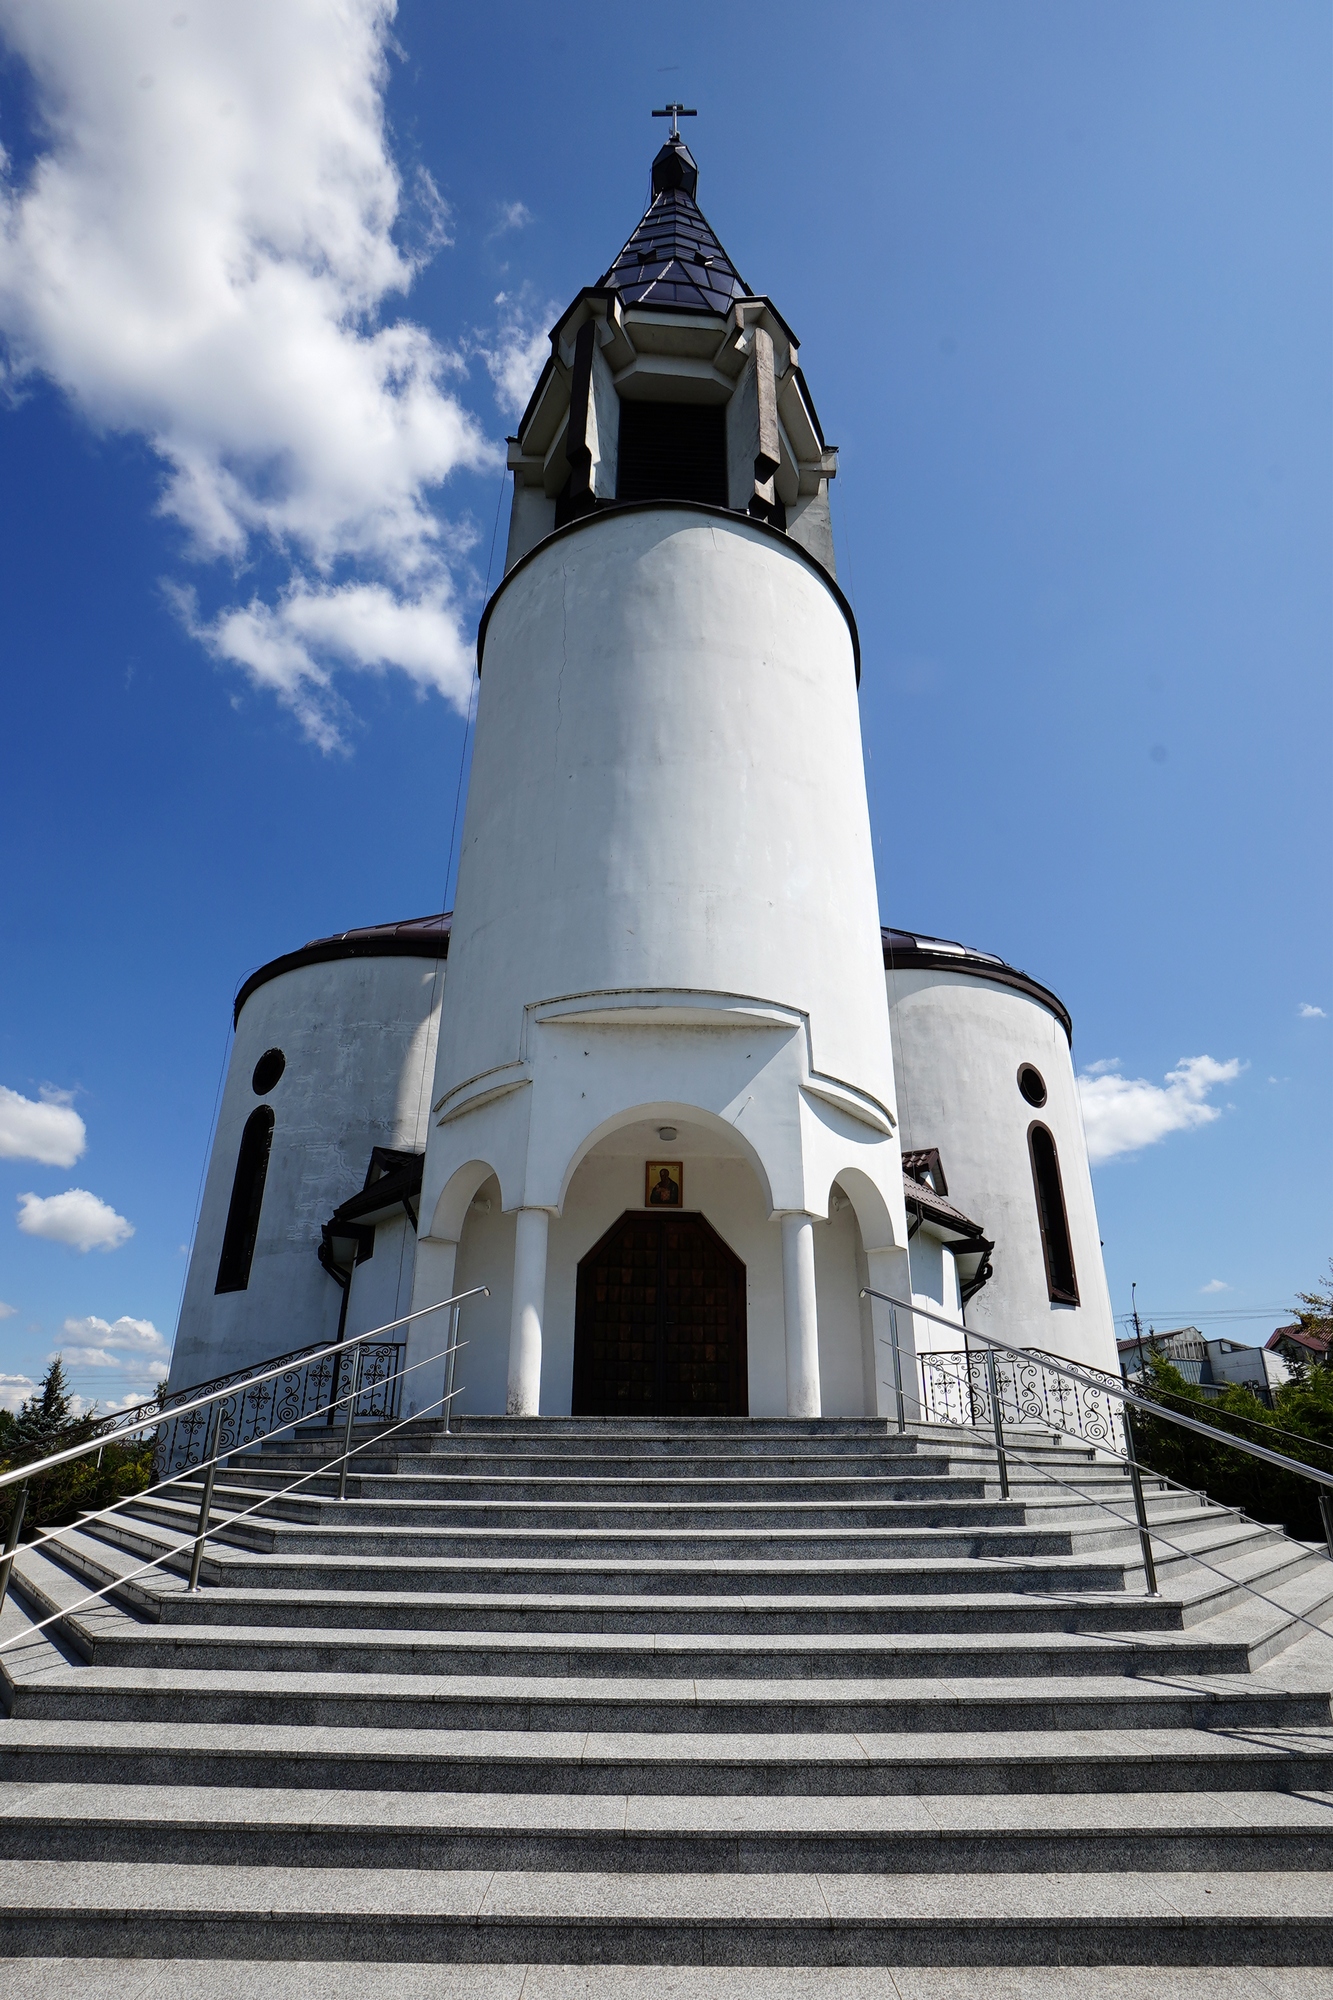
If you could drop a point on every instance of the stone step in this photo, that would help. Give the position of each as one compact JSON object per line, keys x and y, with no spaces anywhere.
{"x":228,"y":1560}
{"x":725,"y":1706}
{"x":274,"y":1650}
{"x":272,"y":1531}
{"x":954,"y":1763}
{"x":164,"y":1910}
{"x":303,"y":1979}
{"x":1279,"y":1567}
{"x":725,"y":1835}
{"x":510,"y":1516}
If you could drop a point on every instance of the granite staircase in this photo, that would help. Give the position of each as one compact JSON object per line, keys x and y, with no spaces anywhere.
{"x":687,"y":1707}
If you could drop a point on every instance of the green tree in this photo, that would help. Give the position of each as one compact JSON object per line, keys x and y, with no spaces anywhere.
{"x":46,"y":1425}
{"x":1315,"y":1310}
{"x":1300,"y":1426}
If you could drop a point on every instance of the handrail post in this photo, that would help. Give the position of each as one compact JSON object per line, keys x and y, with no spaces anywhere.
{"x":993,"y":1386}
{"x":1140,"y":1508}
{"x":455,"y":1314}
{"x":897,"y":1368}
{"x":1325,"y":1515}
{"x":206,"y":1502}
{"x":347,"y":1427}
{"x":12,"y":1540}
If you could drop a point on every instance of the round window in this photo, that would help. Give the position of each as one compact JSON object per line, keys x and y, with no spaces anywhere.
{"x":269,"y":1069}
{"x":1032,"y":1086}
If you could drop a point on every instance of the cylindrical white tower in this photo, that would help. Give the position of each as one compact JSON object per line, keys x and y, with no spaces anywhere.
{"x":986,"y":1076}
{"x":333,"y":1056}
{"x":665,"y":1028}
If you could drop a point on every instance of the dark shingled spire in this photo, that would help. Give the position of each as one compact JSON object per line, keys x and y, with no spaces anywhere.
{"x":673,"y":257}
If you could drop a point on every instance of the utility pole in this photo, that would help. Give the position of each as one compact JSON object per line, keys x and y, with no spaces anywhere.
{"x":1138,"y":1328}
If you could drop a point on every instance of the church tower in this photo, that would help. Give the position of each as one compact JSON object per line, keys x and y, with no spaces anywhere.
{"x":663,"y":1125}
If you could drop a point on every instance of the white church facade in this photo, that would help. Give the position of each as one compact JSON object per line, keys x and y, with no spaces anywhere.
{"x":660,"y":1081}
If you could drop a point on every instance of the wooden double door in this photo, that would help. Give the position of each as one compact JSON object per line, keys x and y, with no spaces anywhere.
{"x":659,"y":1322}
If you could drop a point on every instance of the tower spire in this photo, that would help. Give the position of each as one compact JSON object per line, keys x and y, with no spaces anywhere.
{"x":674,"y":112}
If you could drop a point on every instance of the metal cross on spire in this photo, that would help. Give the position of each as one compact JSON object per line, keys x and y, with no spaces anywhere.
{"x":675,"y":112}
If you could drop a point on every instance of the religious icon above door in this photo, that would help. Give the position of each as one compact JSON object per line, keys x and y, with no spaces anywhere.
{"x":664,"y":1184}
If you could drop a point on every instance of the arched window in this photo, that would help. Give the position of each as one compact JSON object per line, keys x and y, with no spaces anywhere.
{"x":247,"y":1196}
{"x":1061,"y":1284}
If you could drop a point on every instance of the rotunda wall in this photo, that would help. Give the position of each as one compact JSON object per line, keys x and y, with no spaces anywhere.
{"x":358,"y":1038}
{"x":959,"y":1041}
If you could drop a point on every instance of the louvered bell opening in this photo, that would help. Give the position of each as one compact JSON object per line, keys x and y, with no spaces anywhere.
{"x":672,"y":451}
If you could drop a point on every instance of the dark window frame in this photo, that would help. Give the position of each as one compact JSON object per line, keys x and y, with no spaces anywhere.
{"x":1026,"y":1069}
{"x":247,"y":1199}
{"x":272,"y":1067}
{"x":1052,"y":1216}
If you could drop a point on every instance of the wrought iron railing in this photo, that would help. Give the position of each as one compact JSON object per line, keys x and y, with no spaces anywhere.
{"x":1075,"y":1415}
{"x":961,"y":1386}
{"x":306,"y":1385}
{"x":221,"y":1417}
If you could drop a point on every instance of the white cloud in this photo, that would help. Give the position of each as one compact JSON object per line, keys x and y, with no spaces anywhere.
{"x":513,"y":215}
{"x":516,"y":352}
{"x":1309,"y":1013}
{"x":1122,"y":1114}
{"x":134,"y":1346}
{"x":202,"y":255}
{"x":1215,"y":1285}
{"x":7,"y":1311}
{"x":50,"y":1132}
{"x":15,"y":1391}
{"x":76,"y":1217}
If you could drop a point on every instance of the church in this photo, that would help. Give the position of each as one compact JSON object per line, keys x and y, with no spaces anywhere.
{"x":661,"y":1082}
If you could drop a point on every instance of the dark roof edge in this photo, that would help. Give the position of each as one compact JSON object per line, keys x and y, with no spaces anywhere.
{"x":898,"y":958}
{"x":728,"y":514}
{"x":323,"y":951}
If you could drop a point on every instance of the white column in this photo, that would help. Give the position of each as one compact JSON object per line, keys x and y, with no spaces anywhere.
{"x":432,"y":1279}
{"x":525,"y":1327}
{"x":798,"y":1295}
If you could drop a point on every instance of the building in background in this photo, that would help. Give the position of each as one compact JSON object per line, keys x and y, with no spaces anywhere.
{"x":1207,"y":1364}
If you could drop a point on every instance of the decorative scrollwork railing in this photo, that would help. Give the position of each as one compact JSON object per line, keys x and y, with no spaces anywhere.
{"x":305,"y":1386}
{"x":956,"y":1389}
{"x":304,"y":1389}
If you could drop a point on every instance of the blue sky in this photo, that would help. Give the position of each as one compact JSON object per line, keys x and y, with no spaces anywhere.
{"x":1062,"y":278}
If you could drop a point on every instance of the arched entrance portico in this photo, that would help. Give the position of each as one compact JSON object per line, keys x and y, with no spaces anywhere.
{"x":659,"y":1324}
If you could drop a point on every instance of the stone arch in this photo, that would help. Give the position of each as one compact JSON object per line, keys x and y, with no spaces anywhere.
{"x":873,"y":1215}
{"x":666,"y":1113}
{"x":446,"y":1223}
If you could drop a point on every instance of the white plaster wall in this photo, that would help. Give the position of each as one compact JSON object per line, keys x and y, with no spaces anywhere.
{"x":843,"y":1327}
{"x":667,"y":791}
{"x":359,"y":1037}
{"x":485,"y":1257}
{"x":958,"y":1043}
{"x":382,"y":1286}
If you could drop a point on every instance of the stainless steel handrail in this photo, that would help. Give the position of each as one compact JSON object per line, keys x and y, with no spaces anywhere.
{"x":201,"y":1534}
{"x":1110,"y":1388}
{"x":1190,"y":1555}
{"x":237,"y":1386}
{"x":211,"y":1401}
